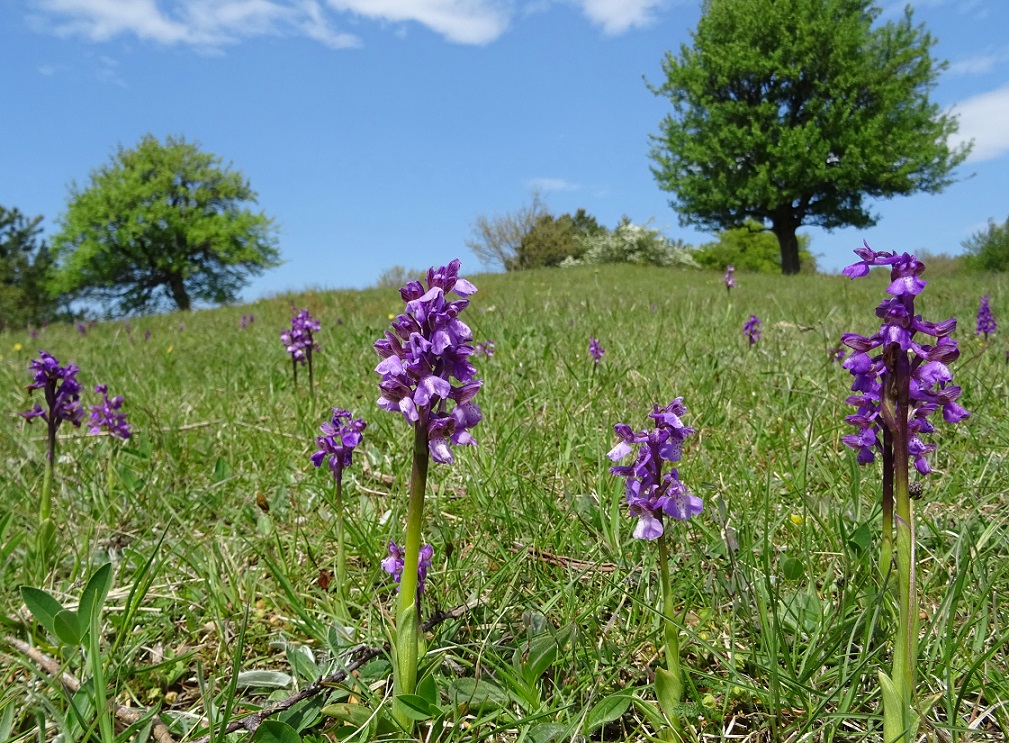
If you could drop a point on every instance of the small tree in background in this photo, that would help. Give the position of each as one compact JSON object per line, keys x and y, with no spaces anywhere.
{"x":495,"y":240}
{"x":553,"y":240}
{"x":162,"y":223}
{"x":751,"y":248}
{"x":26,"y":264}
{"x":988,"y":249}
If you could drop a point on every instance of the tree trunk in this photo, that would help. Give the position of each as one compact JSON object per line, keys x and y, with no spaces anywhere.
{"x":788,"y":241}
{"x":179,"y":293}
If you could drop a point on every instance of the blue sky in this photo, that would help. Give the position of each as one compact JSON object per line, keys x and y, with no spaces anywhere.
{"x":376,"y":131}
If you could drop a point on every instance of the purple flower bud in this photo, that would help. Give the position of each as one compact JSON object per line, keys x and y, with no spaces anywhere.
{"x":729,"y":279}
{"x":596,"y":351}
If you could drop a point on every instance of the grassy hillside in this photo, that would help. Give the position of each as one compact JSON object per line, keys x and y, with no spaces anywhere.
{"x":213,"y":510}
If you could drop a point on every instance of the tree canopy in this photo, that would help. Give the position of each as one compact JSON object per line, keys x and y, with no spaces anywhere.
{"x":988,"y":249}
{"x":162,"y":223}
{"x":25,"y":266}
{"x":792,"y":112}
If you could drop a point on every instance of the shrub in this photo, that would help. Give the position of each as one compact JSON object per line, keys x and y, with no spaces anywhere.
{"x":632,"y":243}
{"x":988,"y":249}
{"x":751,"y":247}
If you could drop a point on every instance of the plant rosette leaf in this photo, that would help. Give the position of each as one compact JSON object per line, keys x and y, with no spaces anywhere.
{"x":275,"y":731}
{"x":894,"y":709}
{"x":67,"y":627}
{"x":607,"y":710}
{"x":42,"y":606}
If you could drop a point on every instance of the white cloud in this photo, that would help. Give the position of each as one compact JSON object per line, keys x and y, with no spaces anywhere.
{"x":212,"y":24}
{"x":618,"y":16}
{"x":983,"y":119}
{"x":551,"y":184}
{"x":979,"y":64}
{"x":461,"y":21}
{"x":201,"y":23}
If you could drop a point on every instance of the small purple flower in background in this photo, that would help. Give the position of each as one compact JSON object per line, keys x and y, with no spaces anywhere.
{"x":298,"y":340}
{"x":300,"y":344}
{"x":81,"y":328}
{"x":836,"y":353}
{"x":652,"y":494}
{"x":393,"y":564}
{"x":147,"y":334}
{"x":596,"y":351}
{"x":729,"y":278}
{"x":339,"y":438}
{"x":34,"y":334}
{"x":986,"y":324}
{"x":427,"y":347}
{"x":484,"y":348}
{"x":61,"y":389}
{"x":751,"y":329}
{"x":247,"y":320}
{"x":106,"y":415}
{"x":182,"y":326}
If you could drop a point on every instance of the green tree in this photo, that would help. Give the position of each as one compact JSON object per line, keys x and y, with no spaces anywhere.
{"x":553,"y":240}
{"x":162,"y":222}
{"x":751,"y":248}
{"x":988,"y":249}
{"x":791,"y":112}
{"x":25,"y":267}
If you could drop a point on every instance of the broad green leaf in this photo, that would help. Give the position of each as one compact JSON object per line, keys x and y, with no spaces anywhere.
{"x":42,"y":606}
{"x":607,"y":710}
{"x":94,"y":594}
{"x":861,"y":539}
{"x":478,"y":696}
{"x":415,"y":707}
{"x":221,"y":470}
{"x":428,"y":689}
{"x":68,"y":627}
{"x":792,"y":568}
{"x":547,"y":732}
{"x":275,"y":731}
{"x":353,"y":714}
{"x":302,"y":662}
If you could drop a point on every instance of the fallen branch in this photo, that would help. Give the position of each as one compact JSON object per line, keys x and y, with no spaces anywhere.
{"x":126,"y":715}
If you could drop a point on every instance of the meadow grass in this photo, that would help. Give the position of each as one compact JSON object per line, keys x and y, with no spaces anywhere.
{"x":221,"y":531}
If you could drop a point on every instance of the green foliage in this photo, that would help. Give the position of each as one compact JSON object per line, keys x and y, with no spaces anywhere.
{"x":751,"y":248}
{"x":631,"y":243}
{"x":25,"y":265}
{"x":553,"y":240}
{"x":792,"y":112}
{"x":988,"y":249}
{"x":162,"y":222}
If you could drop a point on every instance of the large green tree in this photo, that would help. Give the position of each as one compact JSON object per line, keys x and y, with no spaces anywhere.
{"x":792,"y":112}
{"x":162,"y":222}
{"x":25,"y":266}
